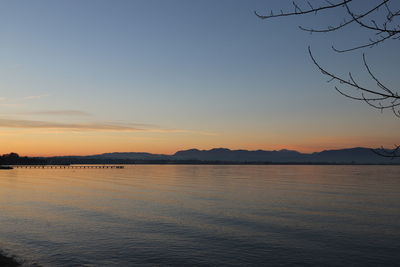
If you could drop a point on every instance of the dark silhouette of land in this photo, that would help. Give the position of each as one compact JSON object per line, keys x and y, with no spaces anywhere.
{"x":15,"y":159}
{"x":214,"y":156}
{"x":8,"y":261}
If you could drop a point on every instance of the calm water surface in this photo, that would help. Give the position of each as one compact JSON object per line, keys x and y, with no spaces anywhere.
{"x":187,"y":215}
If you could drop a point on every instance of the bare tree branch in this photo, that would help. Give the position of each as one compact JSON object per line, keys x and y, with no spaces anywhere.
{"x":381,"y":19}
{"x":299,"y":11}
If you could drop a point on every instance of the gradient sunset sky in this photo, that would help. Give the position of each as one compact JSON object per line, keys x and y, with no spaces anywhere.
{"x":95,"y":76}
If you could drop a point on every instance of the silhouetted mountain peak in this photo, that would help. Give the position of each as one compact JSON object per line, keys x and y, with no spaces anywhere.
{"x":219,"y":150}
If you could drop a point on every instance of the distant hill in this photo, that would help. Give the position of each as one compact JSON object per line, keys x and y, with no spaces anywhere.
{"x":358,"y":155}
{"x":131,"y":155}
{"x":224,"y":154}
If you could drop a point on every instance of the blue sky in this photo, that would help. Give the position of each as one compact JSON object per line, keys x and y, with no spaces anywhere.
{"x":182,"y":74}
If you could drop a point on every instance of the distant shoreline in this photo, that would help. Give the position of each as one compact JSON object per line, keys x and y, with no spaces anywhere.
{"x":219,"y":156}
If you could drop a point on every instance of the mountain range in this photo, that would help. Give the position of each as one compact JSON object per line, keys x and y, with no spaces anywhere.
{"x":358,"y":155}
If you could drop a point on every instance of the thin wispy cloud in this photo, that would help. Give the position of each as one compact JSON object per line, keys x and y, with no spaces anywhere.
{"x":94,"y":126}
{"x":35,"y":96}
{"x":18,"y":102}
{"x":183,"y":131}
{"x":57,"y":113}
{"x":33,"y":124}
{"x":12,"y":105}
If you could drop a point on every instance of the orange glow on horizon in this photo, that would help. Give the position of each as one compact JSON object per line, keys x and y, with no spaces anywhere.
{"x":82,"y":149}
{"x":40,"y":143}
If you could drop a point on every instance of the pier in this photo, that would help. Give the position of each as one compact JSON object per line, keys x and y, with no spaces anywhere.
{"x":67,"y":166}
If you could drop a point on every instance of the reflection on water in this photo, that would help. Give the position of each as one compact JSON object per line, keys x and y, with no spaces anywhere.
{"x":203,"y":215}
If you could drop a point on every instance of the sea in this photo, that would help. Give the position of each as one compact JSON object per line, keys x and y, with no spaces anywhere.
{"x":202,"y":215}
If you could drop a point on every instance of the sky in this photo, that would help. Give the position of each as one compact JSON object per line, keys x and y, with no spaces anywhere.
{"x":96,"y":76}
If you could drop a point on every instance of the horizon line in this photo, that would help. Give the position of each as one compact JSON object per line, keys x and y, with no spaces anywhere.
{"x":166,"y":154}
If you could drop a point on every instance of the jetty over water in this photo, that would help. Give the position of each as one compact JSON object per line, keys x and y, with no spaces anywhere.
{"x":67,"y":166}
